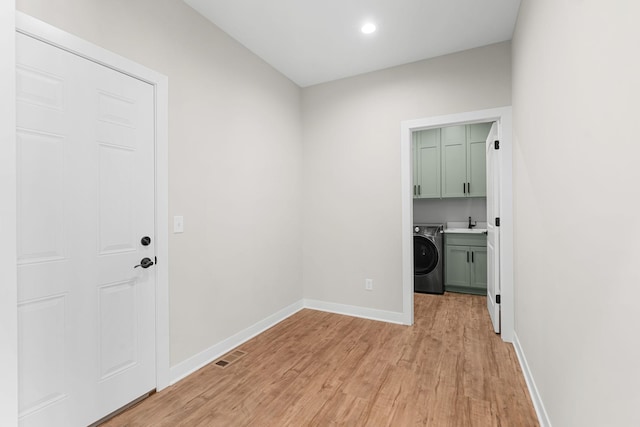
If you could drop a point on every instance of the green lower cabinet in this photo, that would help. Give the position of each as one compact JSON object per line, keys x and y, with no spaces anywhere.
{"x":465,"y":264}
{"x":457,"y":271}
{"x":478,"y":269}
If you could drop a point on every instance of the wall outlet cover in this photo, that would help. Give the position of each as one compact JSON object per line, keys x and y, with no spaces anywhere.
{"x":368,"y":284}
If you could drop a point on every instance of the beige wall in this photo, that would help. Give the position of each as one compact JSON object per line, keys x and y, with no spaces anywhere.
{"x":351,"y":166}
{"x":576,"y":88}
{"x":234,"y":162}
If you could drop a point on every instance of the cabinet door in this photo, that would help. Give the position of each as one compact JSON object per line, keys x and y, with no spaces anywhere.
{"x":428,"y":156}
{"x":456,"y":262}
{"x":476,"y":159}
{"x":478,"y":277}
{"x":416,"y":163}
{"x":454,"y":161}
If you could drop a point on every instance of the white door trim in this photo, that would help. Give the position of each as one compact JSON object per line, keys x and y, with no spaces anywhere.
{"x":30,"y":26}
{"x":503,"y":116}
{"x":8,"y":249}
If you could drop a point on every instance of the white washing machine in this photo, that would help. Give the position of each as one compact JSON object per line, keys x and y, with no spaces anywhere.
{"x":428,"y":265}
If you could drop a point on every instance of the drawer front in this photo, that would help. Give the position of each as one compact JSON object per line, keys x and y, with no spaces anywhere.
{"x":463,"y":239}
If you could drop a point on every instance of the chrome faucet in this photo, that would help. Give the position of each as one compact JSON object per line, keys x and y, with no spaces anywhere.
{"x":472,"y":224}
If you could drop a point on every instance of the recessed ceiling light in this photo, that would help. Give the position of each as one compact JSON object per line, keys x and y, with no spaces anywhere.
{"x":368,"y":28}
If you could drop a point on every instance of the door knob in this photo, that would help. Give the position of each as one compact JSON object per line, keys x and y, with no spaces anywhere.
{"x":145,"y":241}
{"x":144,"y":263}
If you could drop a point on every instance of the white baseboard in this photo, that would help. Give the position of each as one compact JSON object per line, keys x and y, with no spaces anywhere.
{"x":355,"y":311}
{"x":543,"y":418}
{"x":192,"y":364}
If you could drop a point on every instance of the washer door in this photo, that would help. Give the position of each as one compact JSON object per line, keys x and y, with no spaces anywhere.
{"x":425,"y":256}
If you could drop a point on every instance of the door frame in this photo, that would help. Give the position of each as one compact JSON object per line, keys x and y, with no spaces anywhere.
{"x":30,"y":26}
{"x":8,"y":248}
{"x":503,"y":117}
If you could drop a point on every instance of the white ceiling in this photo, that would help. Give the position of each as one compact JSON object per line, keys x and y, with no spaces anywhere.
{"x":318,"y":41}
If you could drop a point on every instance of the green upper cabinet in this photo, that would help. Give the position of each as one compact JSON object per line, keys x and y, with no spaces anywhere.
{"x":464,"y":160}
{"x":476,"y":159}
{"x":426,"y":164}
{"x":454,"y":161}
{"x":450,"y":162}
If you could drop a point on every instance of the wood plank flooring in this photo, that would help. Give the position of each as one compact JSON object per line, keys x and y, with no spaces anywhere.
{"x":324,"y":369}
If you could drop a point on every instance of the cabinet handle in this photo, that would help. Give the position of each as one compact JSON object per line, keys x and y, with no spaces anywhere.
{"x":472,"y":257}
{"x":469,"y":187}
{"x":419,"y":190}
{"x":414,"y":190}
{"x":464,"y":188}
{"x":467,"y":256}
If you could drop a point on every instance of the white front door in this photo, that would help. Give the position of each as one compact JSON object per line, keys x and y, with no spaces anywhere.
{"x":493,"y":230}
{"x":85,"y":139}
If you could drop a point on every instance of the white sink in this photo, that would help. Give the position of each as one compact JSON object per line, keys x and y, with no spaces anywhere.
{"x":463,"y":227}
{"x":473,"y":230}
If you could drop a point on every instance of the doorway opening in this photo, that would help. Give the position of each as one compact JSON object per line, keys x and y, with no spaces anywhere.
{"x":503,"y":206}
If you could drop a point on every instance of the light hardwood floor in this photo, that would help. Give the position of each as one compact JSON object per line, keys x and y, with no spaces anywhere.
{"x":323,"y":369}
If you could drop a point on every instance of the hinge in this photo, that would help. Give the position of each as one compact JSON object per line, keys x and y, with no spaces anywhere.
{"x":496,"y":144}
{"x":497,"y":222}
{"x":497,"y":299}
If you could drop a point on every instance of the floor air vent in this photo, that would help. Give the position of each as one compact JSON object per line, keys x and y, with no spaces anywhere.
{"x":229,"y":359}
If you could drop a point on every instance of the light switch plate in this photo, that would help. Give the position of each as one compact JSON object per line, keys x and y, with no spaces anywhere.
{"x":178,"y":224}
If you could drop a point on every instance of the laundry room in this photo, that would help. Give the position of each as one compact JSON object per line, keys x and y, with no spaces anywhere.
{"x":450,"y":209}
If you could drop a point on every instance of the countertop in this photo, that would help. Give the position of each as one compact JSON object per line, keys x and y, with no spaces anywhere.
{"x":463,"y":228}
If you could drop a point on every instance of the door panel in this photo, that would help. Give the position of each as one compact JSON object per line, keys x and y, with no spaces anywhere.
{"x":476,"y":161}
{"x":428,"y":151}
{"x":42,"y":326}
{"x":454,"y":161}
{"x":457,"y":265}
{"x":493,"y":232}
{"x":118,"y":335}
{"x":40,"y":164}
{"x":85,"y":198}
{"x":115,"y":200}
{"x":479,"y":268}
{"x":477,"y":169}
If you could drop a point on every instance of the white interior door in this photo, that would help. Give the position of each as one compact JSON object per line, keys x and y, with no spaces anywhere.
{"x":85,"y":164}
{"x":493,"y":231}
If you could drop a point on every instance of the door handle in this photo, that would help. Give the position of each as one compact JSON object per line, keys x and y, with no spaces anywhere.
{"x":144,"y":263}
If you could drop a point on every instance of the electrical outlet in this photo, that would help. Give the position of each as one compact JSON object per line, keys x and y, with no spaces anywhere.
{"x":368,"y":284}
